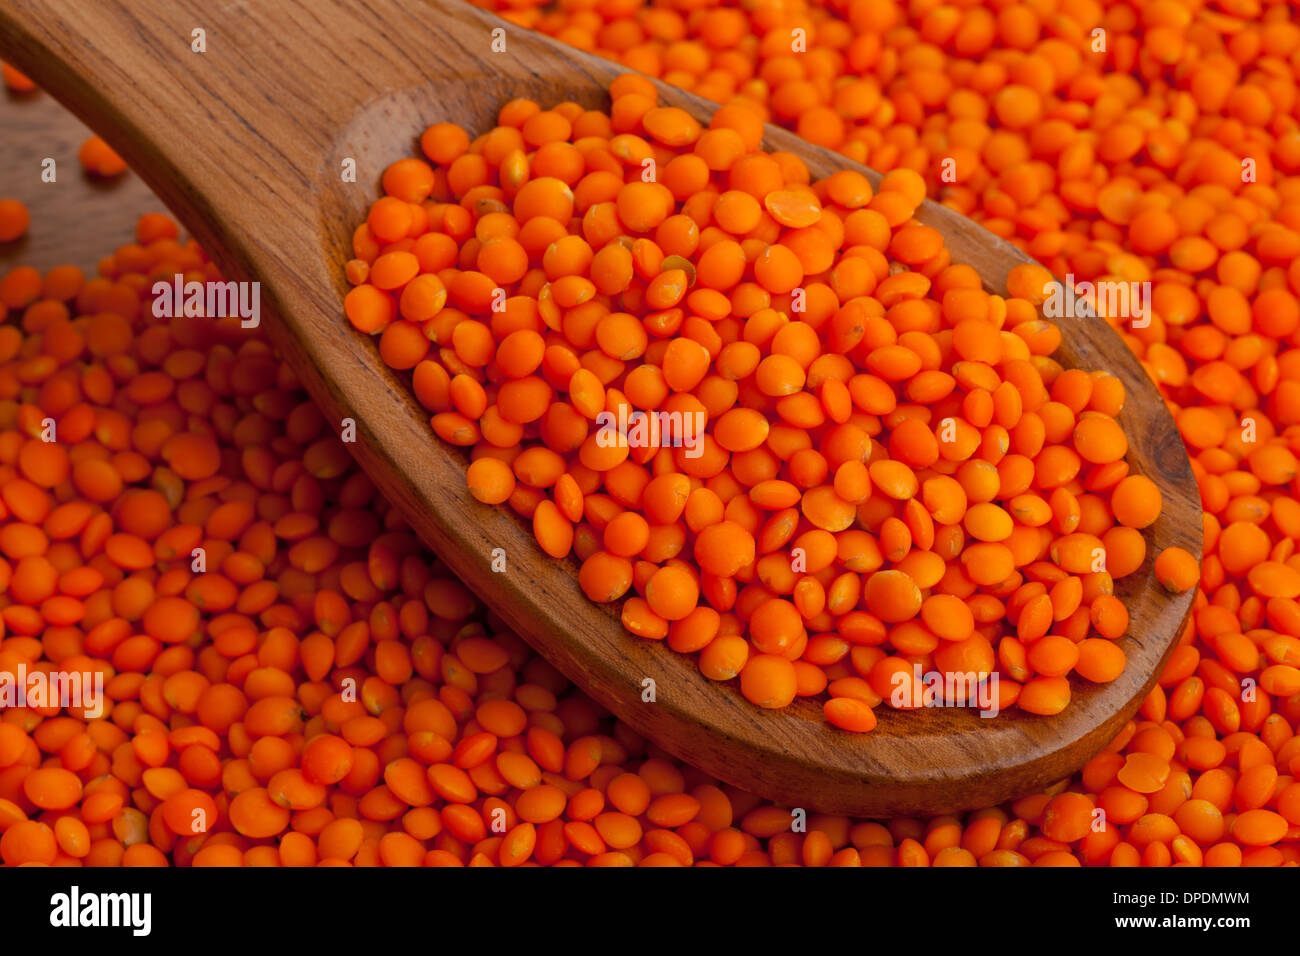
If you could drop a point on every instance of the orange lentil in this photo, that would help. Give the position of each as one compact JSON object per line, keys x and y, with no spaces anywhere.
{"x":99,"y":159}
{"x":14,"y":220}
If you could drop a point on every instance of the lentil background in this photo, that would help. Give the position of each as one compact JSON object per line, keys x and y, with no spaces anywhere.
{"x":1126,"y":164}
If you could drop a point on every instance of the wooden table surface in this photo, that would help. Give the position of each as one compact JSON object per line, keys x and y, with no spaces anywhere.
{"x":77,"y":218}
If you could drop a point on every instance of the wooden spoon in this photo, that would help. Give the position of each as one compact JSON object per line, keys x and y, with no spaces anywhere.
{"x":244,"y":142}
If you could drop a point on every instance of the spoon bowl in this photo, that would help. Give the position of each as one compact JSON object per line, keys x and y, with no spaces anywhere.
{"x":245,"y":143}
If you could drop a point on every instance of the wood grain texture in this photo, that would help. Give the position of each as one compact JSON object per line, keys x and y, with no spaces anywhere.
{"x":244,"y":144}
{"x":77,"y":218}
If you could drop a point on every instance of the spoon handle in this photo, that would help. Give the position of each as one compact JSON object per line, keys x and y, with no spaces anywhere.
{"x":224,"y":107}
